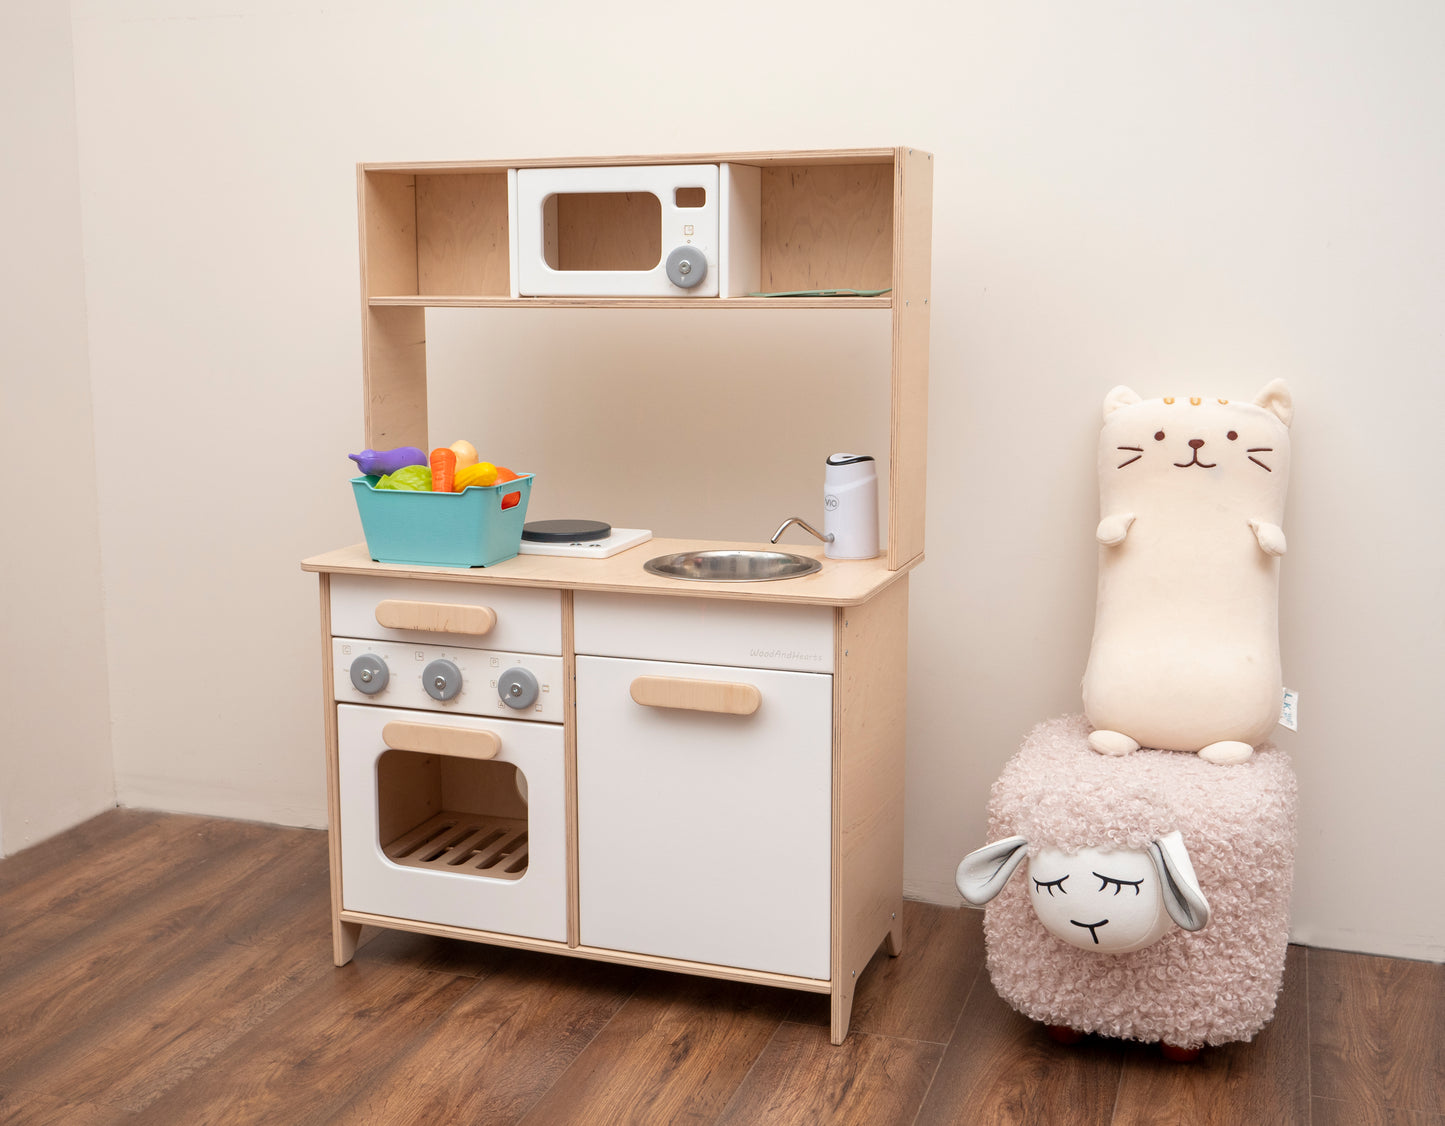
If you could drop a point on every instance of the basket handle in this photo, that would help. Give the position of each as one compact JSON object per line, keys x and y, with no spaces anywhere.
{"x":433,"y":739}
{"x":724,"y":697}
{"x":435,"y":617}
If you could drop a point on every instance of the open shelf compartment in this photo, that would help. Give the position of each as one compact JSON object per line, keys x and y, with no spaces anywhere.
{"x":438,"y":234}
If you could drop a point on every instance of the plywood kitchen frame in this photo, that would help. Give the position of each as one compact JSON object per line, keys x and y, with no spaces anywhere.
{"x":437,"y":234}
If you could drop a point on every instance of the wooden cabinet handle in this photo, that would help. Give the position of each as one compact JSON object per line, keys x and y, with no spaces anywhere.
{"x":433,"y":739}
{"x":696,"y":695}
{"x":435,"y":617}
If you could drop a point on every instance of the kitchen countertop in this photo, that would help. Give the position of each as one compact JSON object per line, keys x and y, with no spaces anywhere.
{"x":839,"y":583}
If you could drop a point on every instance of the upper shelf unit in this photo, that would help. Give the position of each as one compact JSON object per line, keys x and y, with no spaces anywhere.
{"x":445,"y":234}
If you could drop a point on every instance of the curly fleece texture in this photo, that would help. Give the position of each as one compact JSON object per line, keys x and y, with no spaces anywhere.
{"x":1188,"y":989}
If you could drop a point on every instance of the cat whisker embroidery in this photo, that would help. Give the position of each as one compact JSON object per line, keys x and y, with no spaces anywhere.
{"x":1261,"y":450}
{"x":1138,"y":451}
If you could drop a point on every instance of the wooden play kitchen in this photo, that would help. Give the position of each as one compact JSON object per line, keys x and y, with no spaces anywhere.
{"x":575,"y":755}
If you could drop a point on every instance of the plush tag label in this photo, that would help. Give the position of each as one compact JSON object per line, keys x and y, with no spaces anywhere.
{"x":1289,"y":710}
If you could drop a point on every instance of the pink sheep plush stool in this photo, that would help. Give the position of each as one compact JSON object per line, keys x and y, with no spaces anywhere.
{"x":1154,"y":904}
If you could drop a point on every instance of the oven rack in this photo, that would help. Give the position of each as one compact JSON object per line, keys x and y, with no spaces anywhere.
{"x":471,"y":844}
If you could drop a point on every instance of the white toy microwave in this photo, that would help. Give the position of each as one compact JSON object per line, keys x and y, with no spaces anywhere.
{"x":671,"y":230}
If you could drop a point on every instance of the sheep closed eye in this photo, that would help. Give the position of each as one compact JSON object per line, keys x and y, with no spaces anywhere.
{"x":1119,"y":885}
{"x":1039,"y":886}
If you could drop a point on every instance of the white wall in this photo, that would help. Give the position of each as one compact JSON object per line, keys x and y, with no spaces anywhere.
{"x":55,"y":762}
{"x":1178,"y":198}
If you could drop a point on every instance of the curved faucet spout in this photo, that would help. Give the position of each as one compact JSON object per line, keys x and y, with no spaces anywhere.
{"x":798,"y":520}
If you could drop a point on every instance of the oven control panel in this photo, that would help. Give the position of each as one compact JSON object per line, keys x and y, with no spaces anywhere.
{"x":484,"y":682}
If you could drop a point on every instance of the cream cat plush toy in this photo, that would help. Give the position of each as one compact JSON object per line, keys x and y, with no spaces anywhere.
{"x":1185,"y":654}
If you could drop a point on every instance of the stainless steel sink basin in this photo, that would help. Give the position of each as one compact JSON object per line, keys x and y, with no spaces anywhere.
{"x":732,"y":566}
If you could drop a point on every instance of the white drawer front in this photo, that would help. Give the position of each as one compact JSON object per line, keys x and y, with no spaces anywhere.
{"x":705,"y":631}
{"x":706,"y":836}
{"x":534,"y":905}
{"x":526,"y":621}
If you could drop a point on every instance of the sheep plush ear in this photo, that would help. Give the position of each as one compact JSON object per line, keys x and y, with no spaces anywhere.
{"x":983,"y":872}
{"x":1119,"y":398}
{"x":1183,"y":898}
{"x":1276,"y":399}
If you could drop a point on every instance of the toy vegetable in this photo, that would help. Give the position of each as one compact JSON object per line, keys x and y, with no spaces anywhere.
{"x":377,"y":463}
{"x":511,"y":500}
{"x":484,"y":473}
{"x":413,"y":478}
{"x":466,"y":453}
{"x":443,"y":469}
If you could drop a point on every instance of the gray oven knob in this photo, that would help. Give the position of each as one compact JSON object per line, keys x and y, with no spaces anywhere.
{"x":686,"y":266}
{"x":518,"y":688}
{"x":369,"y":674}
{"x":441,"y":679}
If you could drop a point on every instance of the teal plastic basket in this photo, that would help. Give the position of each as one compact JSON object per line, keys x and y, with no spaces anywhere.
{"x":465,"y":529}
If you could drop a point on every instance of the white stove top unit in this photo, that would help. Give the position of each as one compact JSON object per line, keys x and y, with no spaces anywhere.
{"x":620,"y":540}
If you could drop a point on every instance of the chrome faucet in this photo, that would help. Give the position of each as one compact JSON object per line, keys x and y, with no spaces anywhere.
{"x":798,"y":520}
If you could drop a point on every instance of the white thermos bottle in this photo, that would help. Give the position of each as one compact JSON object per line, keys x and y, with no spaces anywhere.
{"x":850,"y":507}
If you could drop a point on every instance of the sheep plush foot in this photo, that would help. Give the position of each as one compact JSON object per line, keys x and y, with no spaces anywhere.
{"x":1177,"y":1054}
{"x":1063,"y":1034}
{"x":1226,"y":753}
{"x":1113,"y":743}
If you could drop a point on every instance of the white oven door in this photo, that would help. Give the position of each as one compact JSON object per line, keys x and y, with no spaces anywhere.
{"x":453,"y":819}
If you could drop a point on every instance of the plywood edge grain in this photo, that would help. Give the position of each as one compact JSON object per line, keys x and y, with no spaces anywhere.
{"x":594,"y":953}
{"x":840,"y":583}
{"x":912,"y":311}
{"x":775,"y":156}
{"x":871,"y":708}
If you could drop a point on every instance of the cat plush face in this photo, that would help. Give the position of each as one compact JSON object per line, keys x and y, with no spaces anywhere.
{"x":1165,"y":443}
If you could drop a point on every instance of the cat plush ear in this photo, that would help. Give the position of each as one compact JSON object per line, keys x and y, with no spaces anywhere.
{"x":1276,"y":399}
{"x":1119,"y":398}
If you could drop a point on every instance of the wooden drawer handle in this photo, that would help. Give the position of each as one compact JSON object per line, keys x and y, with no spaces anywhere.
{"x":696,"y":695}
{"x":433,"y":739}
{"x":435,"y":617}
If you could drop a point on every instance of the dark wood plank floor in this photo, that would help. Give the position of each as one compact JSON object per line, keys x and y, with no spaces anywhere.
{"x":161,"y":969}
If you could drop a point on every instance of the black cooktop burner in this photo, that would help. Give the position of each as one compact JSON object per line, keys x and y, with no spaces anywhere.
{"x":566,"y":531}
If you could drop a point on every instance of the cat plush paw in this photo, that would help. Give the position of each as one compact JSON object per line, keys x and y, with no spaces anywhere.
{"x":1112,"y":743}
{"x":1227,"y":752}
{"x":1112,"y":530}
{"x":1270,"y":536}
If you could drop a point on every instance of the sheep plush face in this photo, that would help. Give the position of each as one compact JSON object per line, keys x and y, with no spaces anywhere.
{"x":1107,"y":901}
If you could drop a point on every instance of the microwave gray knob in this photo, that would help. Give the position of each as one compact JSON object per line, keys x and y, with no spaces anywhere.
{"x":518,"y":688}
{"x":369,"y":674}
{"x":686,"y":266}
{"x":441,"y":679}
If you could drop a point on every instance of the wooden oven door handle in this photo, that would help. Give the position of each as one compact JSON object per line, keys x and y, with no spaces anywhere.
{"x":724,"y":697}
{"x":435,"y":617}
{"x":434,"y":739}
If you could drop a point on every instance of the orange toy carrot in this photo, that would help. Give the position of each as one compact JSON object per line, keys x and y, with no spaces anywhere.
{"x":443,"y":469}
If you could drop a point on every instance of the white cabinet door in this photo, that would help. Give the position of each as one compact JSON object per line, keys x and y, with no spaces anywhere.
{"x":706,"y":836}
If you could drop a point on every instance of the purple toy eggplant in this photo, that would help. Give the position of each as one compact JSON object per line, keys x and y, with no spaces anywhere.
{"x":379,"y":462}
